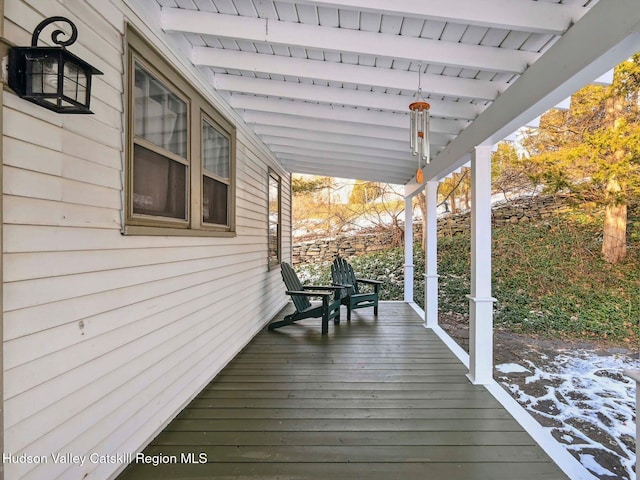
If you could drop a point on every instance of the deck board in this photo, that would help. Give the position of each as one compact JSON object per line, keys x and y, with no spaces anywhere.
{"x":376,"y":398}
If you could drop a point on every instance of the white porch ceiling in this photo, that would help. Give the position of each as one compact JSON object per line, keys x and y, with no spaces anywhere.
{"x":326,"y":84}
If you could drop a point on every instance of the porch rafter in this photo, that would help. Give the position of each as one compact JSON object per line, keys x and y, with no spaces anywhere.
{"x":358,"y":42}
{"x":540,"y":17}
{"x":321,"y":125}
{"x":339,"y":113}
{"x":365,"y":161}
{"x":275,"y":132}
{"x":376,"y":172}
{"x":461,"y":111}
{"x":282,"y":143}
{"x":439,"y":85}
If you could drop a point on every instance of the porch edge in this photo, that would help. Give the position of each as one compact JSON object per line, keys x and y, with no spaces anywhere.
{"x":560,"y":456}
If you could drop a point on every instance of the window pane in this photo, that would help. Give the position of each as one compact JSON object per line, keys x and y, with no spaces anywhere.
{"x":160,"y":115}
{"x":274,"y":220}
{"x":215,"y":151}
{"x":214,"y":201}
{"x":159,"y":185}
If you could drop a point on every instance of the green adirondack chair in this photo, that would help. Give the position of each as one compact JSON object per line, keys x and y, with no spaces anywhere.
{"x":329,"y":309}
{"x":343,"y":275}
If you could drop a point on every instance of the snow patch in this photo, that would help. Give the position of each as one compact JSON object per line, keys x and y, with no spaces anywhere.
{"x":589,"y":390}
{"x":511,"y":368}
{"x":590,"y":462}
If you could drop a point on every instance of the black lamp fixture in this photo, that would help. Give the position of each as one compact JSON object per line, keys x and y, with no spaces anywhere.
{"x":52,"y":77}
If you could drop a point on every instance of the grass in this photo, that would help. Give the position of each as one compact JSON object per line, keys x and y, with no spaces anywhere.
{"x":548,"y":278}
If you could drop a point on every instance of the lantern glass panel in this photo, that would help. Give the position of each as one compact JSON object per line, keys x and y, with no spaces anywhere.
{"x":44,"y":74}
{"x":74,"y":84}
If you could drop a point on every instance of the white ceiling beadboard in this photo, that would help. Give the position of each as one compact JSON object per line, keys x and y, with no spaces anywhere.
{"x":326,"y":84}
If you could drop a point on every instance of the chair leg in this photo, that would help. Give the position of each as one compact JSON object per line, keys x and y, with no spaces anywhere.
{"x":325,"y":316}
{"x":348,"y":313}
{"x":375,"y":310}
{"x":282,"y":323}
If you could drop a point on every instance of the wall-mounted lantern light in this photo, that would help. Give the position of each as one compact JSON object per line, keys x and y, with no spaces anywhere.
{"x":52,"y":77}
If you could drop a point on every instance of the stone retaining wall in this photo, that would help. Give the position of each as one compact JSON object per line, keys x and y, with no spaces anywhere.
{"x":325,"y":250}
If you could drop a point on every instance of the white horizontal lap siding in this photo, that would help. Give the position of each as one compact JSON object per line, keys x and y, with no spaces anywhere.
{"x":107,"y":337}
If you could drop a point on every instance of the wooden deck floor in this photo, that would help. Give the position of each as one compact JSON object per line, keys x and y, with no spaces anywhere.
{"x":375,"y":399}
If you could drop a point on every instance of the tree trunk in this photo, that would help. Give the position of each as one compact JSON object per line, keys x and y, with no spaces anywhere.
{"x":398,"y":233}
{"x":614,"y":244}
{"x":454,"y":207}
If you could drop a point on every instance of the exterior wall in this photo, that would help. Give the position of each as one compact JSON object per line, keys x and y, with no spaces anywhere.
{"x":108,"y":336}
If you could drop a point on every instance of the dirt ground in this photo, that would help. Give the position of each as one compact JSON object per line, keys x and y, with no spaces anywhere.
{"x":540,"y":351}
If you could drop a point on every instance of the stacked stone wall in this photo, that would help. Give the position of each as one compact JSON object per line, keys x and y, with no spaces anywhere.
{"x":325,"y":250}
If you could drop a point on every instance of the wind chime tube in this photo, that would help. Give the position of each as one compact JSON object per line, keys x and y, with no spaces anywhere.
{"x":419,"y":133}
{"x":426,"y":147}
{"x":414,"y":130}
{"x":423,"y":138}
{"x":418,"y":141}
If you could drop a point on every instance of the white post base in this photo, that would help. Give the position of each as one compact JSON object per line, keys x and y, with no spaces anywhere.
{"x":408,"y":283}
{"x":431,"y":300}
{"x":480,"y":340}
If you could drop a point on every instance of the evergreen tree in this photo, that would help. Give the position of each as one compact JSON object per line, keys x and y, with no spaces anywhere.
{"x":593,"y":151}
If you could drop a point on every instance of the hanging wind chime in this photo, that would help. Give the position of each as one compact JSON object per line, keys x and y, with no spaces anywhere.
{"x":419,"y":116}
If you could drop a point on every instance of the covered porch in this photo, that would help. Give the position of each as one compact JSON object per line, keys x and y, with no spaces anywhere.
{"x":378,"y":398}
{"x":328,"y":85}
{"x":110,"y":330}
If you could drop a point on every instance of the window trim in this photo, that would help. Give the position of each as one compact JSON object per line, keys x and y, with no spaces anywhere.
{"x":139,"y":51}
{"x":273,"y":175}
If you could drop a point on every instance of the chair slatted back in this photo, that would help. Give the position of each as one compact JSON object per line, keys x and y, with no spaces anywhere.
{"x":342,"y":273}
{"x":292,"y":282}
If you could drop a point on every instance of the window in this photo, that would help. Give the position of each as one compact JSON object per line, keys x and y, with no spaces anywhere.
{"x":180,"y":175}
{"x":275,"y":225}
{"x":160,"y":160}
{"x":215,"y":175}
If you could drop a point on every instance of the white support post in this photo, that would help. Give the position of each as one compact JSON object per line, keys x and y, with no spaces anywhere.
{"x":480,"y":300}
{"x":408,"y":249}
{"x":635,"y":375}
{"x":431,"y":251}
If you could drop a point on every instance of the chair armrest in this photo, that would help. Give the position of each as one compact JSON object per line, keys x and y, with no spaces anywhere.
{"x":336,"y":289}
{"x":342,"y":285}
{"x":309,"y":293}
{"x":370,"y":282}
{"x":322,"y":287}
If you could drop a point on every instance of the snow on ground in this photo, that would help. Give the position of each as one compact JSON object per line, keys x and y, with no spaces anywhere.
{"x":589,"y":405}
{"x":511,"y":368}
